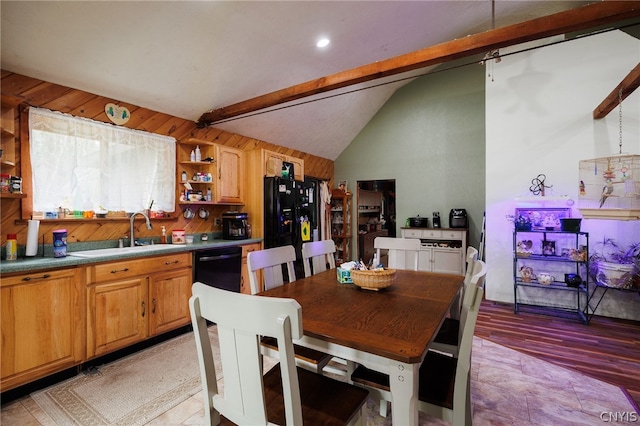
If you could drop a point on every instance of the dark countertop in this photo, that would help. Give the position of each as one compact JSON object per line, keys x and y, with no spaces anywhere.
{"x":38,"y":263}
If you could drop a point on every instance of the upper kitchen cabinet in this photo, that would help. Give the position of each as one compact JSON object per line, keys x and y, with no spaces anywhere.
{"x":230,"y":172}
{"x":213,"y":171}
{"x":273,"y":163}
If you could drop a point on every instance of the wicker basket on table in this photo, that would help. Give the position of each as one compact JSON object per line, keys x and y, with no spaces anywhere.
{"x":375,"y":279}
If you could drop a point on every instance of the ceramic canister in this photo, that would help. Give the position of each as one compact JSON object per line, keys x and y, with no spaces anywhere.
{"x":60,"y":243}
{"x":178,"y":236}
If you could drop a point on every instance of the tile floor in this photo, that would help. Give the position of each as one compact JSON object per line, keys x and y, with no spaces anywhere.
{"x":508,"y":388}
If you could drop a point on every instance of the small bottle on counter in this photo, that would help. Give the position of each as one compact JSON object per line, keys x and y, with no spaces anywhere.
{"x":12,"y":247}
{"x":163,"y":237}
{"x":198,"y":154}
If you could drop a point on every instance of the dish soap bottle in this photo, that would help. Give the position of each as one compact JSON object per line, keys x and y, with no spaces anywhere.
{"x":198,"y":154}
{"x":163,"y":237}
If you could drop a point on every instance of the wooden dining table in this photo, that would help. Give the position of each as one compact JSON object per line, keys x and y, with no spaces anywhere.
{"x":389,"y":330}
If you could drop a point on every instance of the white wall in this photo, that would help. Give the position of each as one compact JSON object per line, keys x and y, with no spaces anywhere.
{"x":539,"y":120}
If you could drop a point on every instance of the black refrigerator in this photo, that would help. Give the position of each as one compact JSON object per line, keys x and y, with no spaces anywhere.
{"x":290,"y":214}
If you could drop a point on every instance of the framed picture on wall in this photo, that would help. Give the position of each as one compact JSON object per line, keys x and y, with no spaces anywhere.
{"x":543,"y":219}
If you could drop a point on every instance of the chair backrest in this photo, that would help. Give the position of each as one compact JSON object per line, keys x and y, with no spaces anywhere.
{"x":270,"y":261}
{"x":402,"y":252}
{"x":241,"y":319}
{"x":472,"y":256}
{"x":469,"y":312}
{"x":317,"y":254}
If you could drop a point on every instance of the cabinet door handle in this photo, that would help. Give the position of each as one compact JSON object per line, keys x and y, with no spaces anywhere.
{"x":42,"y":277}
{"x":153,"y":308}
{"x":172,"y":261}
{"x":143,"y":309}
{"x":115,"y":271}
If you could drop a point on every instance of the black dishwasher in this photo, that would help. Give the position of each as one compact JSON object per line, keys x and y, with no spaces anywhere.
{"x":219,"y":267}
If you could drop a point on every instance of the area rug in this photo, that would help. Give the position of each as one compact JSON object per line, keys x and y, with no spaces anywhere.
{"x":129,"y":391}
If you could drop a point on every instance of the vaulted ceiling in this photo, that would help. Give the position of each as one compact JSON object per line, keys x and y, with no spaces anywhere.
{"x":186,"y":58}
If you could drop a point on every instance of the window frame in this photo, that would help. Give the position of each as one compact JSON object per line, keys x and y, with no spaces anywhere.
{"x":27,"y":209}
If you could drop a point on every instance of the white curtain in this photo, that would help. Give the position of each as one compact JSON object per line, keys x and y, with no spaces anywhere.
{"x":81,"y":164}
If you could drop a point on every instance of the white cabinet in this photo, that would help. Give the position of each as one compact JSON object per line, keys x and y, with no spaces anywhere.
{"x":443,"y":250}
{"x":445,"y":260}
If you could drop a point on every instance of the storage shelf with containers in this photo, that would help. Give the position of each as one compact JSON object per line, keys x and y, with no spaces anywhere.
{"x":551,"y":260}
{"x":213,"y":171}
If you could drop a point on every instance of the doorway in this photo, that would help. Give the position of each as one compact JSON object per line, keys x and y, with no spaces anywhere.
{"x":376,"y":203}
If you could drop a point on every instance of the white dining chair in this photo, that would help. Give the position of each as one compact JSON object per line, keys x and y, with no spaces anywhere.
{"x":402,"y":252}
{"x":316,"y":255}
{"x":271,"y":263}
{"x":285,"y":395}
{"x":447,"y":340}
{"x":444,"y":388}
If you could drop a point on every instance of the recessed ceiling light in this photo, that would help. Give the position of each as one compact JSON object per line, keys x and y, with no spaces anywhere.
{"x":323,"y":42}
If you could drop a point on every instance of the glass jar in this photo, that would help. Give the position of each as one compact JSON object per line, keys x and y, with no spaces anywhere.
{"x":5,"y":183}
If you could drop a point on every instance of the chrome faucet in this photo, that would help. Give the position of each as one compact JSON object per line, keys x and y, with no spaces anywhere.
{"x":146,"y":218}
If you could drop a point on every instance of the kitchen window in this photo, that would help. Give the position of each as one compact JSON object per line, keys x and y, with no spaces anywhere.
{"x":81,"y":164}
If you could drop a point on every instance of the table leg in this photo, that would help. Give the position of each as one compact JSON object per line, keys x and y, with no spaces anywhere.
{"x":404,"y":393}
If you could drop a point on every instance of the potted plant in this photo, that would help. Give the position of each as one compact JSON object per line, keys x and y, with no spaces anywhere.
{"x":616,"y":266}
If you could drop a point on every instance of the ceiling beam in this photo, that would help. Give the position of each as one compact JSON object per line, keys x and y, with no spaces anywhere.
{"x":593,"y":15}
{"x":627,"y":86}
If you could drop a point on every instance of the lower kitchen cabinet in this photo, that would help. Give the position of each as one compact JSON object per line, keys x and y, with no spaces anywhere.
{"x":169,"y":295}
{"x":129,"y":301}
{"x":117,"y":315}
{"x":42,"y":324}
{"x":441,"y":249}
{"x":445,"y":260}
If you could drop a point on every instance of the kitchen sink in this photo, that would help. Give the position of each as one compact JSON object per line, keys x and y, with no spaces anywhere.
{"x":118,"y":251}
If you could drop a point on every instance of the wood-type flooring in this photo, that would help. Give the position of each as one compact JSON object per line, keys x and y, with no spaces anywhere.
{"x":607,"y":349}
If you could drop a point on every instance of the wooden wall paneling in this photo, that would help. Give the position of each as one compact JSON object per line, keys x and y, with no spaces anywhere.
{"x":16,"y":84}
{"x":154,"y":122}
{"x":83,"y":104}
{"x":44,"y":93}
{"x":69,"y":100}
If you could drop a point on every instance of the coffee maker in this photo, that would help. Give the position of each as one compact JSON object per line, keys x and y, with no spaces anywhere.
{"x":234,"y":226}
{"x":458,"y":218}
{"x":436,"y":219}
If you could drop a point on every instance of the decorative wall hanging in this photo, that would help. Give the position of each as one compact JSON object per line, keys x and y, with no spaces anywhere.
{"x":537,"y":185}
{"x":117,"y":114}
